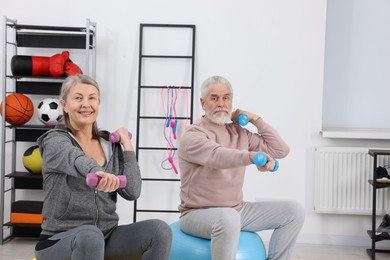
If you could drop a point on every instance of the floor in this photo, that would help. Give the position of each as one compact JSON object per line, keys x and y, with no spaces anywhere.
{"x":22,"y":249}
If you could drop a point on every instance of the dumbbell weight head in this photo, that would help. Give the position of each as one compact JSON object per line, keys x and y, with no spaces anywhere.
{"x":242,"y":120}
{"x":115,"y":137}
{"x":276,"y":167}
{"x":260,"y":159}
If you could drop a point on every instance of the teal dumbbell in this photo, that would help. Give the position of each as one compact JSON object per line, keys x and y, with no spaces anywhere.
{"x":260,"y":159}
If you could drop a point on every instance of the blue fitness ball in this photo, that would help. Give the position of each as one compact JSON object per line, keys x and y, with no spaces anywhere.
{"x":188,"y":247}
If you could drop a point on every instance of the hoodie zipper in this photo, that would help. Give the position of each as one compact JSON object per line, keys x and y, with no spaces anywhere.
{"x":97,"y":208}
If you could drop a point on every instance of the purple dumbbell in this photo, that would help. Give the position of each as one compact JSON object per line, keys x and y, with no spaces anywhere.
{"x":115,"y":137}
{"x":93,"y":180}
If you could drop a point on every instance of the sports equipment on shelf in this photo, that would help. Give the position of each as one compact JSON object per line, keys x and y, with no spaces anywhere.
{"x":18,"y":109}
{"x":57,"y":65}
{"x":32,"y":160}
{"x":49,"y":112}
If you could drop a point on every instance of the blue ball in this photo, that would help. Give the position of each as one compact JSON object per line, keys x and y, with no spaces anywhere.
{"x":188,"y":247}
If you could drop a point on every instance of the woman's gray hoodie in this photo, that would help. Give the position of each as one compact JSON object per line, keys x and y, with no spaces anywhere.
{"x":69,"y":202}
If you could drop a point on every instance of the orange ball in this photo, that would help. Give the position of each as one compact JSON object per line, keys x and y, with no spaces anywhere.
{"x":18,"y":109}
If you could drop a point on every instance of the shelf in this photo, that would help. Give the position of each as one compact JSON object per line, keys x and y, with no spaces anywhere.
{"x":25,"y":230}
{"x":50,"y":78}
{"x":372,"y":255}
{"x":379,"y":185}
{"x":48,"y":28}
{"x":31,"y":36}
{"x":26,"y":180}
{"x":60,"y":41}
{"x":380,"y":237}
{"x":38,"y":88}
{"x":374,"y":152}
{"x":29,"y":133}
{"x":37,"y":36}
{"x":9,"y":224}
{"x":25,"y":175}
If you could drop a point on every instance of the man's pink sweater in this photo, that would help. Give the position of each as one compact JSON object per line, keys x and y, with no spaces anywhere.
{"x":212,"y":160}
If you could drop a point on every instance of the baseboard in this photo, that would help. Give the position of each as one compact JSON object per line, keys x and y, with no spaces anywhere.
{"x":336,"y":240}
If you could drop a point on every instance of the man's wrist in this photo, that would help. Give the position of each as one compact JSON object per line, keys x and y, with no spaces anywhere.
{"x":254,"y":119}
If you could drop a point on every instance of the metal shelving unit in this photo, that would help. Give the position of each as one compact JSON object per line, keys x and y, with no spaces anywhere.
{"x":18,"y":37}
{"x":376,"y":185}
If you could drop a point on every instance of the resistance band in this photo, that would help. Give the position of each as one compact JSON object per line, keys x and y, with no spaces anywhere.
{"x":171,"y":122}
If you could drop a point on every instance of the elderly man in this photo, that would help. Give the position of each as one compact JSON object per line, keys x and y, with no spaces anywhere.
{"x":213,"y":154}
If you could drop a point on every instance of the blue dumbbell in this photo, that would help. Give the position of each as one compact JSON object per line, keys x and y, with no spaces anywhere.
{"x":242,"y":120}
{"x":260,"y":159}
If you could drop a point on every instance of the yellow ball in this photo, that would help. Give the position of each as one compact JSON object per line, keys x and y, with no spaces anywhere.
{"x":32,"y":160}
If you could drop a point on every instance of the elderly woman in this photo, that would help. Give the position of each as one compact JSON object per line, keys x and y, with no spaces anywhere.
{"x":80,"y":221}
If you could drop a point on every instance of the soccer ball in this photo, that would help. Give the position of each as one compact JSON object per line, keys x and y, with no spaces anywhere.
{"x":49,"y":112}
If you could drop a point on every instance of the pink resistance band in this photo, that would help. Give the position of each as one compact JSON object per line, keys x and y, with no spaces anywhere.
{"x":171,"y":122}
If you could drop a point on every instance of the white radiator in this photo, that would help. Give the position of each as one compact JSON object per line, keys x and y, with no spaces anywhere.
{"x":341,"y":181}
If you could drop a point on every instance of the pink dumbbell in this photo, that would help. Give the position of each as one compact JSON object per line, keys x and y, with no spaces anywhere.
{"x":93,"y":180}
{"x":115,"y":137}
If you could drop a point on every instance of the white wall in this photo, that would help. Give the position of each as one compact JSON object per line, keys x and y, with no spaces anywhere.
{"x":271,"y":51}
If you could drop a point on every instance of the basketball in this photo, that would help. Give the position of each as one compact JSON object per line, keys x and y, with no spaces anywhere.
{"x":18,"y":109}
{"x":32,"y":160}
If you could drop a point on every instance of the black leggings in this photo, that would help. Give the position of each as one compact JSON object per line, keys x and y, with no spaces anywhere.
{"x":147,"y":240}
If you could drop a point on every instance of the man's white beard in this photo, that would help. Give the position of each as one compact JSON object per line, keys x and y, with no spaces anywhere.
{"x":220,"y":120}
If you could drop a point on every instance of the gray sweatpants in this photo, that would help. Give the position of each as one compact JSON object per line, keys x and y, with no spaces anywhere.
{"x":150,"y":239}
{"x":223,"y":226}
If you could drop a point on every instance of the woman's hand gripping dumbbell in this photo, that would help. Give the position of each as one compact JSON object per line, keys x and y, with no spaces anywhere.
{"x":93,"y":179}
{"x":120,"y":136}
{"x":260,"y":159}
{"x":115,"y":137}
